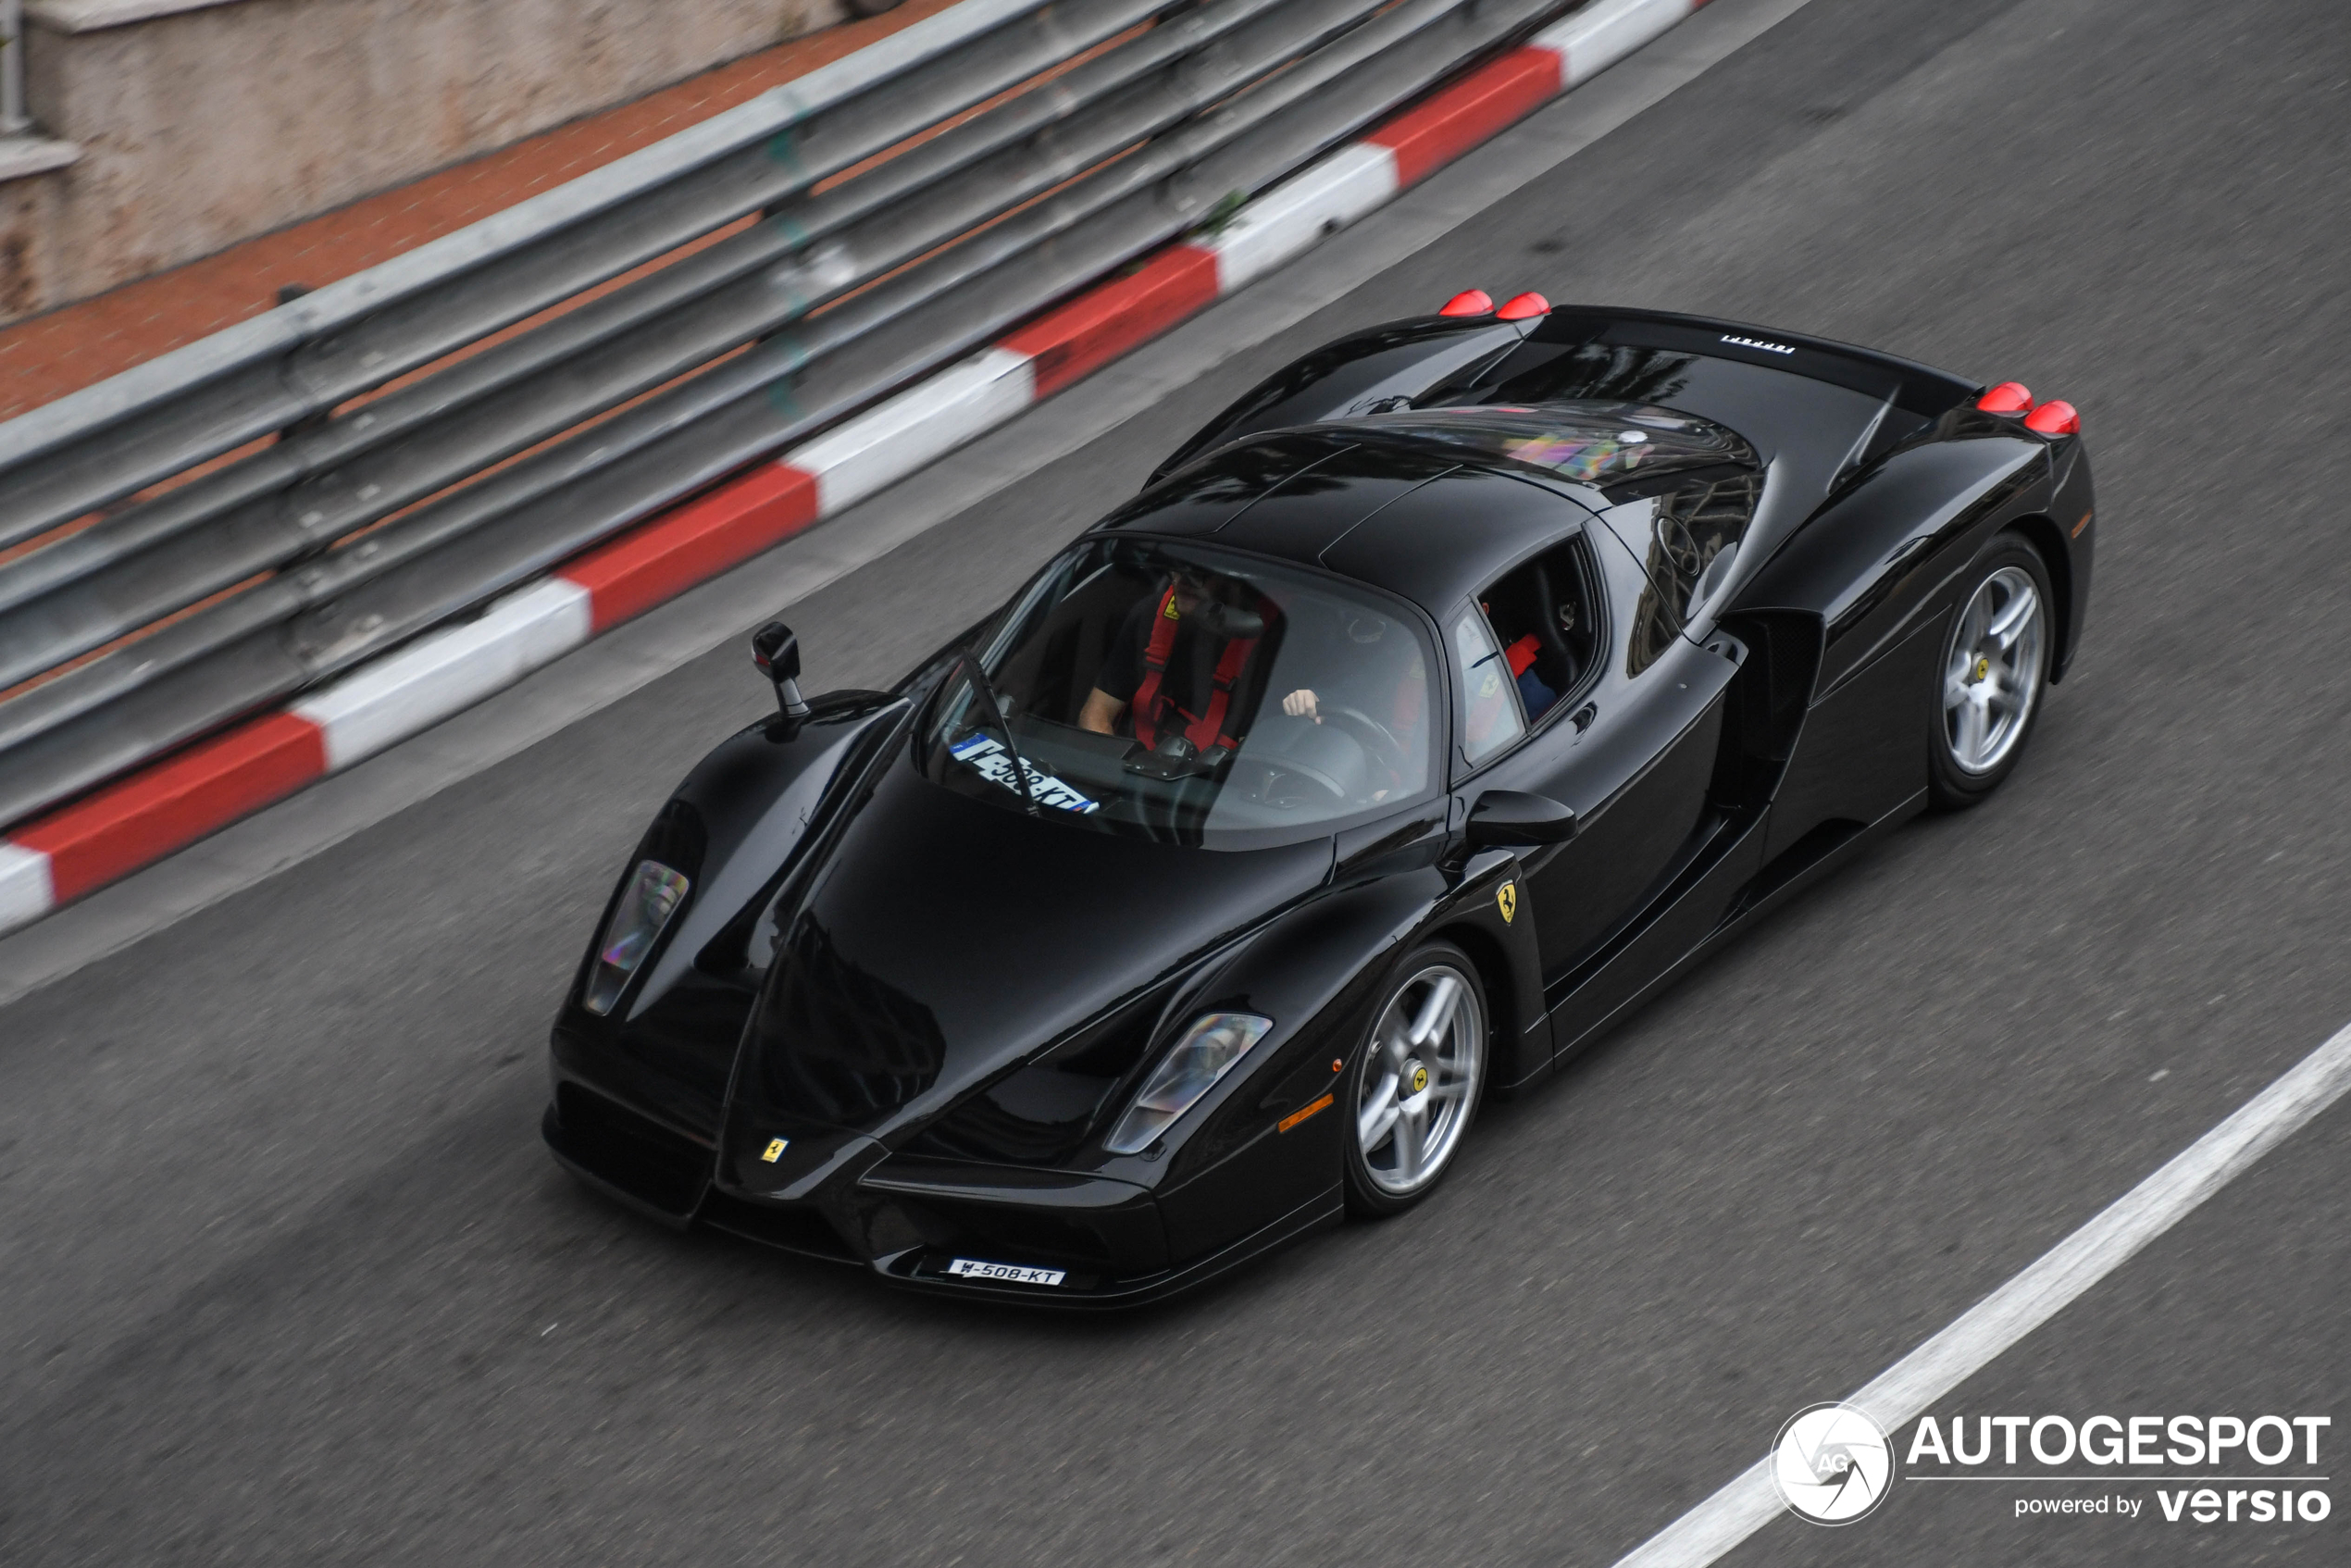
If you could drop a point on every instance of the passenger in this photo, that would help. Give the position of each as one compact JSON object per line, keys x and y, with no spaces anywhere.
{"x":1531,"y":689}
{"x":1533,"y":693}
{"x":1173,"y":665}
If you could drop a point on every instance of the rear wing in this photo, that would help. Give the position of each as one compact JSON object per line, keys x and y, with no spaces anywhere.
{"x":1435,"y":361}
{"x":1915,"y":389}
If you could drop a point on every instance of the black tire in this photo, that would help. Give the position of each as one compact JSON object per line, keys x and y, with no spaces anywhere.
{"x":1969,"y":755}
{"x":1381,"y":1180}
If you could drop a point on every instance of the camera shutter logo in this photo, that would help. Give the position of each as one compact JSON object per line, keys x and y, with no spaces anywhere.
{"x":1833,"y":1463}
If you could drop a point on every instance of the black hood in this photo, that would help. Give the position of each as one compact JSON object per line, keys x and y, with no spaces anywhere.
{"x":948,"y":939}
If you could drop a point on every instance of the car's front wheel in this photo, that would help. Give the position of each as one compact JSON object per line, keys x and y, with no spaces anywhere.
{"x":1414,"y":1082}
{"x":1995,"y":663}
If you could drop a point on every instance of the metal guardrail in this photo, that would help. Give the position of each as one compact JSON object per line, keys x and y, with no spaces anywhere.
{"x":211,"y":532}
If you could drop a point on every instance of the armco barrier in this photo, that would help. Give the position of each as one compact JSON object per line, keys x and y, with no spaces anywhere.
{"x":71,"y":850}
{"x":210,"y":579}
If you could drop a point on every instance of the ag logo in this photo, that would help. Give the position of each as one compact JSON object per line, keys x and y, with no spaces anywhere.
{"x":1506,"y":900}
{"x":1833,"y":1463}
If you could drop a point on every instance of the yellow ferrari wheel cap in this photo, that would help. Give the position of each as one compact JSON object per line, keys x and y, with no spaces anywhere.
{"x":1420,"y":1079}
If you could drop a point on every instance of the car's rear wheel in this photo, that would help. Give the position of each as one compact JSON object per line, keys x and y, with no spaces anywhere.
{"x":1995,"y":663}
{"x":1414,"y":1084}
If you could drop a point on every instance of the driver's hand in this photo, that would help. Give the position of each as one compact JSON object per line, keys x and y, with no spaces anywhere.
{"x":1300,"y":705}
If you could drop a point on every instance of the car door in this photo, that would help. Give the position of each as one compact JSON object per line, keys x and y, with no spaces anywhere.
{"x":1631,"y":746}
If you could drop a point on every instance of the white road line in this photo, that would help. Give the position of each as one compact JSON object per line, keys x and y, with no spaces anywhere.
{"x":2067,"y":1270}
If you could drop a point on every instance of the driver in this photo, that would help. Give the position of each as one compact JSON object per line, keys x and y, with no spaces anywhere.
{"x":1173,"y":664}
{"x":1378,"y":672}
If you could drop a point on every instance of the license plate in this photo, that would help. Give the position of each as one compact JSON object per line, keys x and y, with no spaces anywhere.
{"x":1016,"y":1273}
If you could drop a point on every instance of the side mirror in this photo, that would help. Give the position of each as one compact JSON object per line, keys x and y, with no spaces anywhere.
{"x":1509,"y":818}
{"x":775,"y":652}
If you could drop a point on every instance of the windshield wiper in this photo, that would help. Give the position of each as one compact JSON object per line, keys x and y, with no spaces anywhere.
{"x":987,"y":694}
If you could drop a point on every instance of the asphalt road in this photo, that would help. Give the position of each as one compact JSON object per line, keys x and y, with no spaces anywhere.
{"x":285,"y":1276}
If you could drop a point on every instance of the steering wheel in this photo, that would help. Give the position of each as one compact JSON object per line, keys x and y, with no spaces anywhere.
{"x":1287,"y":785}
{"x":1373,"y":736}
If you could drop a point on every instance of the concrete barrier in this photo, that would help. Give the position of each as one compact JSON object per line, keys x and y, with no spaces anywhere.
{"x":198,"y":123}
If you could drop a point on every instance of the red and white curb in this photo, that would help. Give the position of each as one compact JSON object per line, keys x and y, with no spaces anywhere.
{"x":136,"y":820}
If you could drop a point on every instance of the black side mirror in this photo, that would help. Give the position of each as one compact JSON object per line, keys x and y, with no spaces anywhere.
{"x":1509,"y":818}
{"x":775,"y":652}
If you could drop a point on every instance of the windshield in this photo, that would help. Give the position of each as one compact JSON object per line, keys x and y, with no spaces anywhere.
{"x":1190,"y":696}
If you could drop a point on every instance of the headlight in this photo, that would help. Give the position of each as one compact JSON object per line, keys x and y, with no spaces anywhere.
{"x":1206,"y":1053}
{"x":652,"y":897}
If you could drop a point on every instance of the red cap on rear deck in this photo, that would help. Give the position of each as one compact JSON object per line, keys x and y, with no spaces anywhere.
{"x":2008,"y":397}
{"x":2054,"y":418}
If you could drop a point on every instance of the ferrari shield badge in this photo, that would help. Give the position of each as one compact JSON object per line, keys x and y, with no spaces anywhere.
{"x":775,"y":1150}
{"x":1506,"y":900}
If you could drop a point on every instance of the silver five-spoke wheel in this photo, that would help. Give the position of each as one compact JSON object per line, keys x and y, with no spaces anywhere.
{"x":1418,"y":1085}
{"x":1993,"y":674}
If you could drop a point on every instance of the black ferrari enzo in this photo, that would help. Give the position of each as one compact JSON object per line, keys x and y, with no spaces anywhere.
{"x":1451,"y":692}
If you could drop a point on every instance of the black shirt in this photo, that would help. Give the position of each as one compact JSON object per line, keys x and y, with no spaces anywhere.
{"x":1190,"y":675}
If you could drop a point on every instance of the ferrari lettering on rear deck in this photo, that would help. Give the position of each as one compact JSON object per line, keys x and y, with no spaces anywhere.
{"x":986,"y":756}
{"x":1016,"y":1273}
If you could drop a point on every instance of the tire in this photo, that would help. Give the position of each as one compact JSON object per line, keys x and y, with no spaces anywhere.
{"x":1402,"y":1139}
{"x":1990,"y":684}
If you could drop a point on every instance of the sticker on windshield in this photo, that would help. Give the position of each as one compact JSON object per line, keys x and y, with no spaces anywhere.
{"x":986,"y":756}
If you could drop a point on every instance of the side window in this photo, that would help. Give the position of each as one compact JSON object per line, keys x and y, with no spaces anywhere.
{"x":1545,"y":620}
{"x":1490,"y":718}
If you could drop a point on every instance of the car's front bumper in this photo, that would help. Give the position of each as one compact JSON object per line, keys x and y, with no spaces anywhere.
{"x":909,"y":1221}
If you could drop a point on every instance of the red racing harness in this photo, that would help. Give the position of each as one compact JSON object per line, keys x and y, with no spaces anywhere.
{"x":1152,"y":707}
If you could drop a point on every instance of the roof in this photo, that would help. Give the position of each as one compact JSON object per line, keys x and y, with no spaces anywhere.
{"x":1429,"y":513}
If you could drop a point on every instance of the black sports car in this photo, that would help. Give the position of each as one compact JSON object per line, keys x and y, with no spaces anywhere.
{"x":1452,"y":691}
